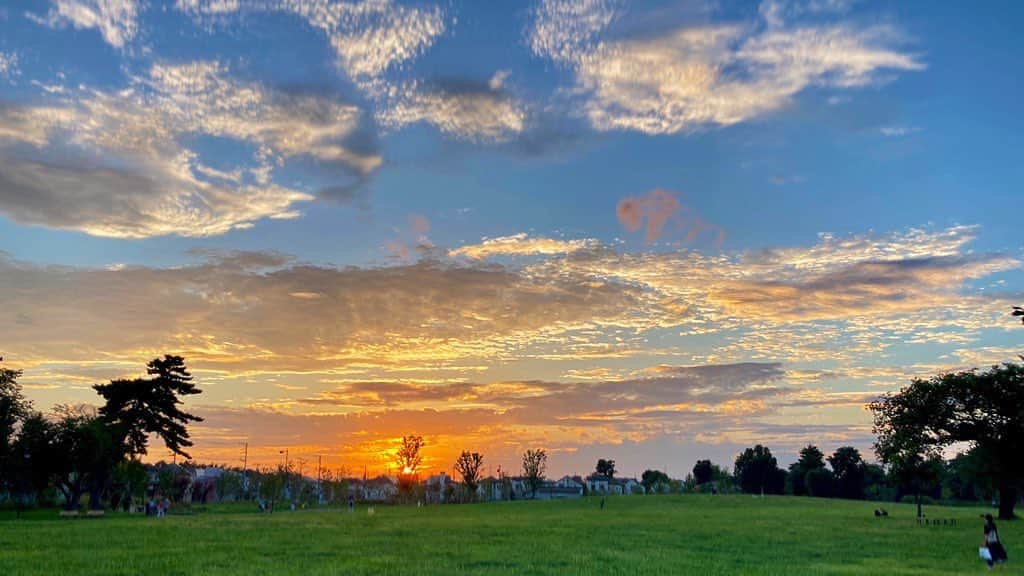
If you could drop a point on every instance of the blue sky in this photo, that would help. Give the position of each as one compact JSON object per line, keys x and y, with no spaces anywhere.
{"x":726,"y":212}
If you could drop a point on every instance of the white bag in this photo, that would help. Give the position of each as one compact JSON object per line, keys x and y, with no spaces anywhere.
{"x":984,"y":553}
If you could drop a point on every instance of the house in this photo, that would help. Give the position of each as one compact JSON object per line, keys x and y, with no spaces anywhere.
{"x":379,"y":489}
{"x":439,"y":488}
{"x":599,"y":484}
{"x":491,"y":488}
{"x":630,"y":486}
{"x":564,"y":488}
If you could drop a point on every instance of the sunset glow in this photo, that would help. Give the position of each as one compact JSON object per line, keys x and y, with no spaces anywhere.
{"x":506,"y":226}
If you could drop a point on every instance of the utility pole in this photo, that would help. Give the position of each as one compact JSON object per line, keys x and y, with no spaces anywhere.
{"x":245,"y":470}
{"x":319,"y":486}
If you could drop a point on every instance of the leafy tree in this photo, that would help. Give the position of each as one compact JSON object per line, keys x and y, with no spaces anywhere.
{"x":702,"y":471}
{"x":968,"y":476}
{"x":13,"y":407}
{"x":811,"y":458}
{"x":131,"y":476}
{"x":874,"y":480}
{"x":605,"y":467}
{"x":820,"y":483}
{"x":469,"y":465}
{"x":535,"y":462}
{"x":758,"y":471}
{"x":88,"y":453}
{"x":31,"y":459}
{"x":143,"y":406}
{"x":655,"y":481}
{"x":983,"y":409}
{"x":409,"y":459}
{"x":848,"y":468}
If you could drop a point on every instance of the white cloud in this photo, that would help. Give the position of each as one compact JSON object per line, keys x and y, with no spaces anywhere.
{"x":897,"y":131}
{"x":368,"y":37}
{"x":129,"y":173}
{"x":8,"y":64}
{"x":699,"y":76}
{"x":116,"y":20}
{"x":521,"y":245}
{"x":481,"y":113}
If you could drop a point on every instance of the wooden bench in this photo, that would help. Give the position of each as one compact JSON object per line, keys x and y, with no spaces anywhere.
{"x":69,"y":513}
{"x":95,"y":513}
{"x":937,"y":521}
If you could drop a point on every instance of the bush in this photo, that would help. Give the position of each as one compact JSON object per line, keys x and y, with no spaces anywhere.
{"x":911,"y":499}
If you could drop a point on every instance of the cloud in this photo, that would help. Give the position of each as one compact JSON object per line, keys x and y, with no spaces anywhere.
{"x":521,"y":245}
{"x":116,"y":20}
{"x":712,"y":75}
{"x":117,"y":163}
{"x":897,"y":131}
{"x":471,"y":111}
{"x":8,"y":64}
{"x":658,"y":208}
{"x":353,"y":356}
{"x":369,"y":38}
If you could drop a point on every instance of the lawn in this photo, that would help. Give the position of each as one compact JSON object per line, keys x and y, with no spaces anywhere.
{"x":663,"y":535}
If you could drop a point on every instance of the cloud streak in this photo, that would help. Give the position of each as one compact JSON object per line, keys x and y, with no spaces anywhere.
{"x":117,"y":163}
{"x":694,"y":77}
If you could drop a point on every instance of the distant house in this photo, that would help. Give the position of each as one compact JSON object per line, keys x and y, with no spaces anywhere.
{"x":566,"y":487}
{"x":491,"y":488}
{"x":601,"y":484}
{"x":439,"y":488}
{"x":379,"y":489}
{"x":630,"y":486}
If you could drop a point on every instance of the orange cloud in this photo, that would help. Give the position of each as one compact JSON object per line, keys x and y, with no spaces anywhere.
{"x":660,"y":208}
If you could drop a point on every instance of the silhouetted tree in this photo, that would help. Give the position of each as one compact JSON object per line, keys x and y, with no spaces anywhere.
{"x":811,"y":458}
{"x":702,"y":471}
{"x":605,"y":467}
{"x":984,"y":409}
{"x":820,"y":483}
{"x":143,"y":406}
{"x":757,"y":471}
{"x":968,"y":476}
{"x":13,"y":407}
{"x":875,"y":480}
{"x":655,"y":481}
{"x":469,"y":466}
{"x":535,"y":462}
{"x":409,"y":459}
{"x":88,"y":454}
{"x":32,"y":457}
{"x":848,"y":469}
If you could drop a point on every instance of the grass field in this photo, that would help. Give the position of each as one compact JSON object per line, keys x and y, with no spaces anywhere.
{"x":695,"y":534}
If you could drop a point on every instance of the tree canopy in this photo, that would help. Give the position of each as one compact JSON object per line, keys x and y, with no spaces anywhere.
{"x":757,"y":471}
{"x":983,"y":409}
{"x":535,"y":462}
{"x":605,"y":467}
{"x":469,"y":466}
{"x":811,"y":458}
{"x":143,"y":406}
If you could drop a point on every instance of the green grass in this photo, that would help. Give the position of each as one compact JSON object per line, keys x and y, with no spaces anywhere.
{"x":663,"y":535}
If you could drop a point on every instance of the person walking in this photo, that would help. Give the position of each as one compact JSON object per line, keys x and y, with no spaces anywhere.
{"x":996,"y":552}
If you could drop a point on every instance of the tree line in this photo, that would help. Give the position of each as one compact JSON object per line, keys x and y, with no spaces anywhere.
{"x":79,"y":451}
{"x":83,"y":451}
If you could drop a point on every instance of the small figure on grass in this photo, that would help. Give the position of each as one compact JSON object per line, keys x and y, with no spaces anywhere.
{"x":351,"y":503}
{"x":602,"y":502}
{"x":992,"y":550}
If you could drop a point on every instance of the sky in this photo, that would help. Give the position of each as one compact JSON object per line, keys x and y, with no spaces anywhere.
{"x":647,"y":231}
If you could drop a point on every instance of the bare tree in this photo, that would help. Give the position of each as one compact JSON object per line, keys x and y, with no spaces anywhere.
{"x":409,"y":459}
{"x":469,"y":465}
{"x":534,"y":464}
